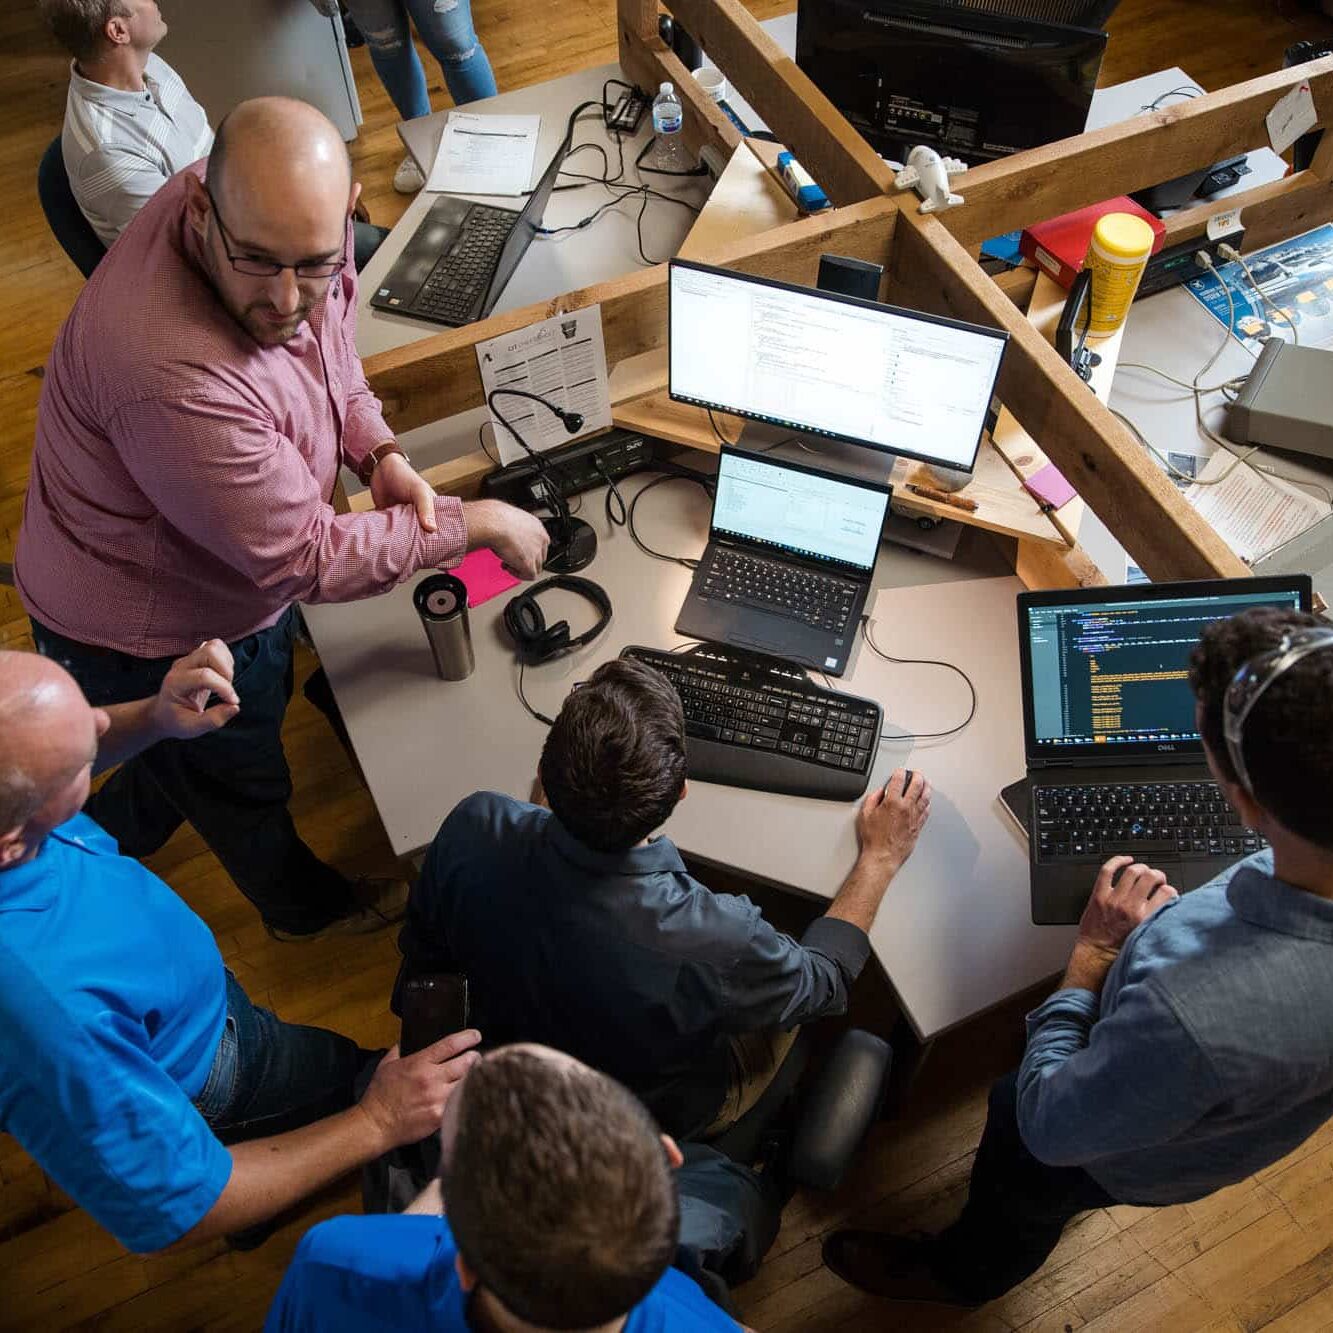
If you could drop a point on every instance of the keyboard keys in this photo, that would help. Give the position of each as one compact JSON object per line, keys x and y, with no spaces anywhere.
{"x":822,"y":600}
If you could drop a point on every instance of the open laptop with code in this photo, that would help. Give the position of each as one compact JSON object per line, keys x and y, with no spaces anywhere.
{"x":1115,"y":760}
{"x":790,"y":555}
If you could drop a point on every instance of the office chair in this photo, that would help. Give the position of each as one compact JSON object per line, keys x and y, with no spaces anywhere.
{"x":63,"y":215}
{"x":1076,"y":13}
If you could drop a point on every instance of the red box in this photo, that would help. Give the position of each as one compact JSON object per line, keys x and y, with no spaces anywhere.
{"x":1058,"y":246}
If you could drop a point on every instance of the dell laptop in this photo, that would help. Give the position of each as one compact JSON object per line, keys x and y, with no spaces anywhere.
{"x":459,"y":259}
{"x":1115,"y":761}
{"x":790,"y":554}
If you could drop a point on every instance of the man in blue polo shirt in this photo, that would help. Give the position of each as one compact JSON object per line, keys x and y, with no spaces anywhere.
{"x":555,"y":1207}
{"x":130,"y":1058}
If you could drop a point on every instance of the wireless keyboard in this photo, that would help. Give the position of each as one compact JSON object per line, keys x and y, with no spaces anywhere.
{"x":755,"y":722}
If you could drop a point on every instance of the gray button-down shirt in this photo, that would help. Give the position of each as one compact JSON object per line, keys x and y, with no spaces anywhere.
{"x":119,"y":147}
{"x":619,"y":958}
{"x":1210,"y":1054}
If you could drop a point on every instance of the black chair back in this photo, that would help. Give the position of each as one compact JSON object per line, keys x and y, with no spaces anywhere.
{"x":63,"y":215}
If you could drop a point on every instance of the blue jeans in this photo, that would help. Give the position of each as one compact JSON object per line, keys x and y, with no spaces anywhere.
{"x":446,"y":28}
{"x":232,"y":785}
{"x":269,"y":1077}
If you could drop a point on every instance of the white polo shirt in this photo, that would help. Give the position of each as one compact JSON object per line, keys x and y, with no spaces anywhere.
{"x":119,"y":147}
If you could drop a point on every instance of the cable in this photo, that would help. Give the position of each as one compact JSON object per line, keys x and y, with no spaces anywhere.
{"x":922,"y":661}
{"x":1186,"y":90}
{"x":722,"y":439}
{"x":523,"y":699}
{"x":1230,"y":252}
{"x":481,"y":440}
{"x":684,"y":474}
{"x":612,"y":493}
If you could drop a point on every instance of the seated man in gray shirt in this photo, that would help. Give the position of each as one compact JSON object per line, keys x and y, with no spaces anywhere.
{"x":130,"y":123}
{"x":578,"y":930}
{"x":1191,"y":1041}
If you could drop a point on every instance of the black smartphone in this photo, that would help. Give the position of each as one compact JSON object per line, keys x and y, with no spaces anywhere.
{"x":434,"y":1004}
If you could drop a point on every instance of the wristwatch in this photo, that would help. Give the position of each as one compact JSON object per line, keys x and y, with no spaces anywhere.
{"x":374,"y":458}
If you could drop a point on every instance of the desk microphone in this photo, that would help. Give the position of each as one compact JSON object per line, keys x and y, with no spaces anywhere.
{"x":573,"y":542}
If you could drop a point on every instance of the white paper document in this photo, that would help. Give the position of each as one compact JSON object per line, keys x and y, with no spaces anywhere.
{"x":1252,"y":513}
{"x":485,"y":154}
{"x":562,"y":358}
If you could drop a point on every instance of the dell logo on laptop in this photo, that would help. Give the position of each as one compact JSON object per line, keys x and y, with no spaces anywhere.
{"x":1166,"y":747}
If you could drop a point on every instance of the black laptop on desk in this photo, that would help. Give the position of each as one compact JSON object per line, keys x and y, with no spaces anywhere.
{"x":791,"y":551}
{"x":459,"y":259}
{"x":1115,"y":762}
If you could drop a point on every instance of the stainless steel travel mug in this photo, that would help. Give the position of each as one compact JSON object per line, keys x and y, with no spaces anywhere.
{"x":441,"y":602}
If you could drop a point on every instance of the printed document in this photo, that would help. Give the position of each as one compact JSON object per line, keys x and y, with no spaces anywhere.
{"x":485,"y":154}
{"x":1253,"y":513}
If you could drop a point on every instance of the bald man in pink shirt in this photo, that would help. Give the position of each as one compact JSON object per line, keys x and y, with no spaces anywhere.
{"x":196,"y":408}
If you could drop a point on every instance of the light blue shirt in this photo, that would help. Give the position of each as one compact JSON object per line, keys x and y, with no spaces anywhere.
{"x":1209,"y":1055}
{"x":112,"y":1002}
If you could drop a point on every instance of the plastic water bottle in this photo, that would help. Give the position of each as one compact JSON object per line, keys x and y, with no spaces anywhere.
{"x":668,"y":153}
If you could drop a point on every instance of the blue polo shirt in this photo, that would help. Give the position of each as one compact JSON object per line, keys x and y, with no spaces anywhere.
{"x":112,"y":1002}
{"x":390,"y":1273}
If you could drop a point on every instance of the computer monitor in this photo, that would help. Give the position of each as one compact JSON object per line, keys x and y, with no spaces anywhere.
{"x":1106,"y":670}
{"x":823,"y":364}
{"x":968,"y":83}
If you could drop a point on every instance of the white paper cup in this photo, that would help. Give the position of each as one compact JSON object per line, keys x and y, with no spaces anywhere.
{"x":713,"y":82}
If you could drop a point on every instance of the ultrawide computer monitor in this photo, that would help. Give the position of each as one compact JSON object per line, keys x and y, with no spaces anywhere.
{"x":823,"y":364}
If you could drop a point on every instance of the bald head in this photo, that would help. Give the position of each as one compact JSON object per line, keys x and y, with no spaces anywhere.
{"x":284,"y":151}
{"x":48,"y":740}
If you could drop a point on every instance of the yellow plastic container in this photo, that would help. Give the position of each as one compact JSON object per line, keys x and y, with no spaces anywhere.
{"x":1117,"y":255}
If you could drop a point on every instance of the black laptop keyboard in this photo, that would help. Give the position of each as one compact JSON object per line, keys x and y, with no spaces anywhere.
{"x":1169,"y":820}
{"x":754,"y":723}
{"x":822,"y":600}
{"x":460,"y":279}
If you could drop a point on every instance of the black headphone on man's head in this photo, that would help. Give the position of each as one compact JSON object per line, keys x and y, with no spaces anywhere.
{"x":538,"y":642}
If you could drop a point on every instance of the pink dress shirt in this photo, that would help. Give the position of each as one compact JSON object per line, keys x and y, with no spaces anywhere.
{"x":182,"y":474}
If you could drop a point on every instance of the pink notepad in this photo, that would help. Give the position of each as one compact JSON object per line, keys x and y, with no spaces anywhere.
{"x":1050,"y":487}
{"x":484,"y":576}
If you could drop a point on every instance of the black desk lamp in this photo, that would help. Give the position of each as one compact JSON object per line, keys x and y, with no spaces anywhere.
{"x":573,"y":542}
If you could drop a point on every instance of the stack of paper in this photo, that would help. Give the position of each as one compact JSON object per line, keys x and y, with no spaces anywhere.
{"x":485,"y":154}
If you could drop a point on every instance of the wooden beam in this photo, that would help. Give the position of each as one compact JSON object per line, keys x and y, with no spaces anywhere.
{"x":1102,"y":461}
{"x":1159,"y":145}
{"x":437,"y":377}
{"x":795,"y":110}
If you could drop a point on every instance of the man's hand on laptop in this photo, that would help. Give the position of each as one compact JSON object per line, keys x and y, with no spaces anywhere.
{"x":1126,"y":893}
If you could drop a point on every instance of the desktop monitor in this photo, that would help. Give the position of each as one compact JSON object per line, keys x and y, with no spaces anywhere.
{"x":968,"y":83}
{"x":823,"y":364}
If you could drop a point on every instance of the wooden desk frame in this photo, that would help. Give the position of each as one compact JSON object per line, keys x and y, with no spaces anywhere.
{"x":929,"y":260}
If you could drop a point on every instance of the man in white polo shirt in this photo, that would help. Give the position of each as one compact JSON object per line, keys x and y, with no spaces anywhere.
{"x":130,"y":122}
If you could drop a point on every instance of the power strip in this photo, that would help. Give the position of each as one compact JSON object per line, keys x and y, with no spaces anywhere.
{"x":1174,"y":265}
{"x":578,"y":467}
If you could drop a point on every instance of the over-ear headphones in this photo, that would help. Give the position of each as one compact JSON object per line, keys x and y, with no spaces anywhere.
{"x":538,"y":642}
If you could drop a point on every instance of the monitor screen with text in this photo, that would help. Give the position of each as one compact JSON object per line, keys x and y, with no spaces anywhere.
{"x":830,"y":365}
{"x":799,"y":510}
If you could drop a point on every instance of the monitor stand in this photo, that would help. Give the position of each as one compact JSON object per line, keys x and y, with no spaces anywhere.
{"x":849,"y":460}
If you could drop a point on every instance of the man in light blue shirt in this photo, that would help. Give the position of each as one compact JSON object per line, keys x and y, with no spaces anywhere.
{"x":133,"y":1067}
{"x":555,"y":1207}
{"x":1190,"y":1043}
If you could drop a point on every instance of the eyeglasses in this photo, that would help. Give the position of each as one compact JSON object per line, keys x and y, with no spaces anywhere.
{"x":269,"y":268}
{"x":1251,"y":680}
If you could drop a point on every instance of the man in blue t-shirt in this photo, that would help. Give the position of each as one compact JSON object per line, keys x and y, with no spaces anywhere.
{"x":555,"y":1208}
{"x":130,"y":1057}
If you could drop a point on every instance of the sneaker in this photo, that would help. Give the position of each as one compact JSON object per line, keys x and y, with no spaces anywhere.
{"x":377,"y":903}
{"x":408,"y":178}
{"x":894,"y":1267}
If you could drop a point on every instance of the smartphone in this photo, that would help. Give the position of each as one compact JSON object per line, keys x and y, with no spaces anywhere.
{"x":434,"y":1004}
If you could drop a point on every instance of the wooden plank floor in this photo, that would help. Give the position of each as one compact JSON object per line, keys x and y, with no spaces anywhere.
{"x":1259,"y":1255}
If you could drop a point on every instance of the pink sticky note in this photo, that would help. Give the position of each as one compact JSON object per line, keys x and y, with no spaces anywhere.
{"x":484,"y":576}
{"x":1050,"y":487}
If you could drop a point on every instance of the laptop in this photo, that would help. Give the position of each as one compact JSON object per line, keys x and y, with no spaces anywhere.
{"x":791,"y":550}
{"x":459,"y":259}
{"x":1115,"y":762}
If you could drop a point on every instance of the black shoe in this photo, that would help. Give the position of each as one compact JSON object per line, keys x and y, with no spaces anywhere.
{"x":377,"y":903}
{"x":894,"y":1267}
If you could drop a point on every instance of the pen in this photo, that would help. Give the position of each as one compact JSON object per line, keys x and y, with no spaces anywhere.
{"x":944,"y":498}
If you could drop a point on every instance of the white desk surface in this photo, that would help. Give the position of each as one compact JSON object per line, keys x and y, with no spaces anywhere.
{"x":954,"y":935}
{"x":606,"y":249}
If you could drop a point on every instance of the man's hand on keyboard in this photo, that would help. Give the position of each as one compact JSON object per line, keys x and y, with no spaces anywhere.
{"x":891,"y":818}
{"x":1126,"y":893}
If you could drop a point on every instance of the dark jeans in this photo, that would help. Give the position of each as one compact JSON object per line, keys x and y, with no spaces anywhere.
{"x":1016,"y":1209}
{"x":232,"y":785}
{"x":269,"y":1077}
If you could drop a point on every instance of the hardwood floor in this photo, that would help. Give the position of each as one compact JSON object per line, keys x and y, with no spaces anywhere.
{"x":1259,"y":1255}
